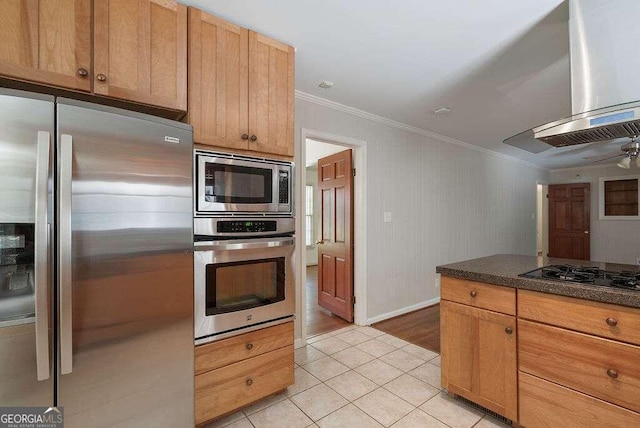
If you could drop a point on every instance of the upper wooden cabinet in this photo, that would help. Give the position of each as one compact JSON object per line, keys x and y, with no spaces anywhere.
{"x":139,"y":47}
{"x":241,"y":87}
{"x":47,"y":41}
{"x":140,"y":51}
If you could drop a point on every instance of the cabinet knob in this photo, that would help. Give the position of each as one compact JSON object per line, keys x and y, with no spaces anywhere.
{"x":612,"y":373}
{"x":612,"y":322}
{"x":254,"y":138}
{"x":249,"y":382}
{"x":101,"y":77}
{"x":473,"y":294}
{"x":245,"y":136}
{"x":249,"y":346}
{"x":508,"y":330}
{"x":82,"y":72}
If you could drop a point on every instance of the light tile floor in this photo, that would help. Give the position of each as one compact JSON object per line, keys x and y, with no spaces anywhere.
{"x":361,"y":377}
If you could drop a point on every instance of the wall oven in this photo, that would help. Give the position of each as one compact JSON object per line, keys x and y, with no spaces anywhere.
{"x":243,"y":270}
{"x":228,"y":184}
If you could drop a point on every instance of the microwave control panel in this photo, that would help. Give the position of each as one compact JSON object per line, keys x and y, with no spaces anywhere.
{"x":235,"y":226}
{"x":283,"y":187}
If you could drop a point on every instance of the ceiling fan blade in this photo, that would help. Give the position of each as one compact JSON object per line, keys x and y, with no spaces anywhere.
{"x":607,"y":158}
{"x":603,"y":156}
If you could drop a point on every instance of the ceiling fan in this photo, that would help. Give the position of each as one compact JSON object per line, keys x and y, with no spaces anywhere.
{"x":630,"y":151}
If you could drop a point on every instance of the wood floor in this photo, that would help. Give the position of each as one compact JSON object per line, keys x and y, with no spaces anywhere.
{"x":319,"y":320}
{"x":421,"y":327}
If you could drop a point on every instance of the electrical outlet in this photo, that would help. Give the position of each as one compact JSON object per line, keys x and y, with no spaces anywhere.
{"x":437,"y":283}
{"x":386,"y":217}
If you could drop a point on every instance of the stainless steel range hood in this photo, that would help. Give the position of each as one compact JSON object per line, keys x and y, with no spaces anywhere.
{"x":605,"y":78}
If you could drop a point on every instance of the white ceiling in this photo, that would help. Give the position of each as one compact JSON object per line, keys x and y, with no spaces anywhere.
{"x":502,"y":66}
{"x":318,"y":149}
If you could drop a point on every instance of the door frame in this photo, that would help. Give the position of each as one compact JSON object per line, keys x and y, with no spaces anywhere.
{"x":359,"y":148}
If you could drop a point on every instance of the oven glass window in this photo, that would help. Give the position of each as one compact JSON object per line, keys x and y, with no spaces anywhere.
{"x":243,"y":285}
{"x":233,"y":184}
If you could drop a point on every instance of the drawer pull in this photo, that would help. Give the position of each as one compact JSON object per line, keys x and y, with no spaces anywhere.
{"x":249,"y":346}
{"x":473,"y":294}
{"x":249,"y":382}
{"x":101,"y":78}
{"x":612,"y":322}
{"x":508,"y":330}
{"x":253,"y":138}
{"x":82,"y":72}
{"x":612,"y":373}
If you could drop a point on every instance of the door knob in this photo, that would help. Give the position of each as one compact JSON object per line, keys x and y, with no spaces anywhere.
{"x":254,"y":138}
{"x":82,"y":72}
{"x":244,"y":136}
{"x":101,"y":77}
{"x":319,"y":242}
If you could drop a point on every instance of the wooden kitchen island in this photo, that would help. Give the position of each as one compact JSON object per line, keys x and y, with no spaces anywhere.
{"x":540,"y":352}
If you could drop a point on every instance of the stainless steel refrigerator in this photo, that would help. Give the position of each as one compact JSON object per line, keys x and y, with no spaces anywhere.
{"x":96,"y":262}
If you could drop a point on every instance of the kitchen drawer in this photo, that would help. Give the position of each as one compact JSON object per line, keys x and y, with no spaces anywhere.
{"x":486,"y":296}
{"x":603,"y":368}
{"x":602,"y":319}
{"x":225,"y":389}
{"x":545,"y":404}
{"x":237,"y":348}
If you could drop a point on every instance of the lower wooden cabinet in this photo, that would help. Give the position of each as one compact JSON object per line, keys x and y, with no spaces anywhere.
{"x":479,"y":356}
{"x":546,"y":404}
{"x":234,"y":372}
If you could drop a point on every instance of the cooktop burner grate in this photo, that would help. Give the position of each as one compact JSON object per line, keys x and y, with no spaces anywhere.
{"x":628,"y":280}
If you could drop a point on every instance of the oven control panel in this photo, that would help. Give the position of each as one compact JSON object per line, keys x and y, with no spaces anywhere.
{"x":238,"y":226}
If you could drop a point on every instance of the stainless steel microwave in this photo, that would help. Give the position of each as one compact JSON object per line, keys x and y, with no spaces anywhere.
{"x":226,"y":184}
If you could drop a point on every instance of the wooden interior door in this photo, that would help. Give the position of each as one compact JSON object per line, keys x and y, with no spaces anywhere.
{"x":271,"y":91}
{"x":47,"y":41}
{"x":140,"y":49}
{"x":569,"y":221}
{"x":218,"y":81}
{"x":479,"y":356}
{"x":335,"y":248}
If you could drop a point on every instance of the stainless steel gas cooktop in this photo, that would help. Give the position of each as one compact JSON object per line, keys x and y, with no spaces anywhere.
{"x":627,"y":280}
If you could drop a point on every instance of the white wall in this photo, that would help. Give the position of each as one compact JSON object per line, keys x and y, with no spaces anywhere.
{"x":312,"y":180}
{"x":448,"y":203}
{"x":611,"y":240}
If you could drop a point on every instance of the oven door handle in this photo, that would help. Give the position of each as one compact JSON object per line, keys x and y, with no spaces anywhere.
{"x":245,"y":244}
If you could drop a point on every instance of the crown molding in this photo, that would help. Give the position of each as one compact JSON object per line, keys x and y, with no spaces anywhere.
{"x":399,"y":125}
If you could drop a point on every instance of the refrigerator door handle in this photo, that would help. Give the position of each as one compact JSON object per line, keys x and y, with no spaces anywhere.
{"x":64,"y":253}
{"x":41,"y":250}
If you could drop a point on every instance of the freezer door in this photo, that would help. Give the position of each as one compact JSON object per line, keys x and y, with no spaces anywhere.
{"x":125,"y":266}
{"x":26,"y":132}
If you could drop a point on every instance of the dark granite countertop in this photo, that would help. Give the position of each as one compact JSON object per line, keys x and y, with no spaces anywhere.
{"x":503,"y":269}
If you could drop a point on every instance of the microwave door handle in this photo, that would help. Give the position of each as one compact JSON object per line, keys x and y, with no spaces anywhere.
{"x":41,"y":251}
{"x":64,"y":254}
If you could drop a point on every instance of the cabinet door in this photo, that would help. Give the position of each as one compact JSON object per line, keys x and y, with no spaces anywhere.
{"x":271,"y":93}
{"x":479,"y":356}
{"x":140,"y":49}
{"x":218,"y":81}
{"x":47,"y":41}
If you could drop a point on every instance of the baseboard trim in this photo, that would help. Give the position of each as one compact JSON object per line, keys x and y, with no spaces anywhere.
{"x":403,"y":311}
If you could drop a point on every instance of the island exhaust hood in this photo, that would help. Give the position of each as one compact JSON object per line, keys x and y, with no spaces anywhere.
{"x":605,"y":78}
